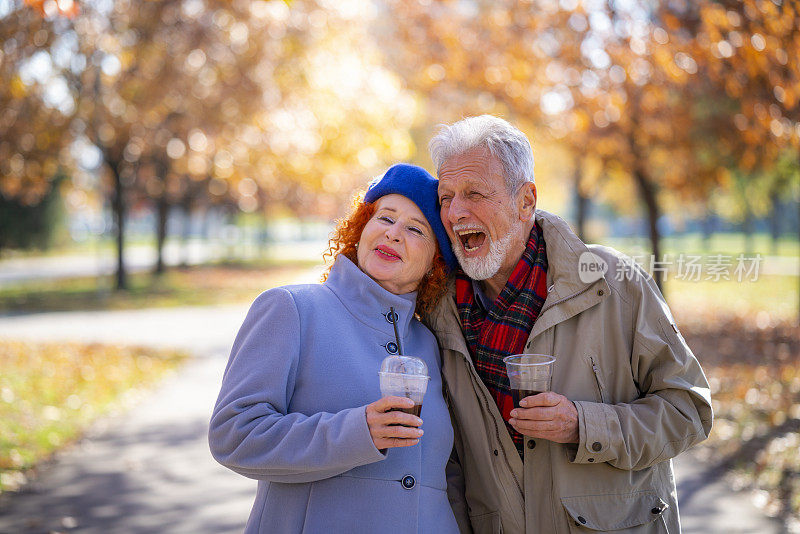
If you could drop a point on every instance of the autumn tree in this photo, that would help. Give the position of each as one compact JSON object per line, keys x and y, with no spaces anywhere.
{"x":752,"y":49}
{"x":34,"y":121}
{"x":602,"y":81}
{"x":160,"y":75}
{"x":248,"y":105}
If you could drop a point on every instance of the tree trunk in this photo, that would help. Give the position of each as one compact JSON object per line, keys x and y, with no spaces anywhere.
{"x":119,"y":208}
{"x":581,"y":202}
{"x":581,"y":214}
{"x":747,"y":228}
{"x":263,"y":238}
{"x":210,"y":232}
{"x":707,"y":226}
{"x":162,"y":208}
{"x":648,"y":192}
{"x":647,"y":189}
{"x":775,"y":220}
{"x":185,"y":231}
{"x":205,"y":228}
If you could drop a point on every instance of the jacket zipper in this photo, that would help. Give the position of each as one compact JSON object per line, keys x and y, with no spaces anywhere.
{"x":500,"y":446}
{"x":597,"y":379}
{"x":475,"y":376}
{"x":494,"y":422}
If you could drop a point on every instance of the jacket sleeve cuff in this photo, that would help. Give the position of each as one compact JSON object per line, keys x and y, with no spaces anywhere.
{"x":594,"y":443}
{"x":363,"y":445}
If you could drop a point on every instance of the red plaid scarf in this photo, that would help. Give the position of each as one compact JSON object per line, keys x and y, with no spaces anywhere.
{"x":503,"y":329}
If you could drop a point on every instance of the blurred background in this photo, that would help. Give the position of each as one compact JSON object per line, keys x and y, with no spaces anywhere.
{"x":178,"y":157}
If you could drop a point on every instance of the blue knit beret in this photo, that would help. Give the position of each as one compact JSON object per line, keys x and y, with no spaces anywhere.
{"x":417,"y":185}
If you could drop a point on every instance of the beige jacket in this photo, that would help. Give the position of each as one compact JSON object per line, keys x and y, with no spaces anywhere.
{"x":641,"y":396}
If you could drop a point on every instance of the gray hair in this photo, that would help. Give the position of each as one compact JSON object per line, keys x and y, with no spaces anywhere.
{"x":504,"y":141}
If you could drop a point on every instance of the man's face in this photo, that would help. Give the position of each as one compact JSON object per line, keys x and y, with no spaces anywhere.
{"x":480,"y":215}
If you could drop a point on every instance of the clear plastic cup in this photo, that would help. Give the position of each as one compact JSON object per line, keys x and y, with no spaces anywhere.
{"x":404,"y":376}
{"x":528,"y":374}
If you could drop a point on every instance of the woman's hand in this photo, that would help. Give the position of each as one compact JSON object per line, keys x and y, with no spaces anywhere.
{"x":391,"y":428}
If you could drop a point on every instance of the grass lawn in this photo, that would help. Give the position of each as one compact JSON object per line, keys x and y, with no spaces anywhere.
{"x":49,"y":393}
{"x":720,"y":243}
{"x":106,"y":245}
{"x":195,"y":286}
{"x":765,"y":301}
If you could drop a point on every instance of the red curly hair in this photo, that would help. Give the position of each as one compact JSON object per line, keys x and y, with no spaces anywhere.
{"x":347,"y":235}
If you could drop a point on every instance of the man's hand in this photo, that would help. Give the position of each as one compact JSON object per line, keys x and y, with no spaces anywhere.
{"x":547,"y":416}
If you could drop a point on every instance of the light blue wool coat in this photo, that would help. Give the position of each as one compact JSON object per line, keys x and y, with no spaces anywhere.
{"x":291,"y":412}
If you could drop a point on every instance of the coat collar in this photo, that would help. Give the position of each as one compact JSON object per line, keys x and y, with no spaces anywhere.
{"x":367,"y":300}
{"x":564,"y":252}
{"x":567,"y":294}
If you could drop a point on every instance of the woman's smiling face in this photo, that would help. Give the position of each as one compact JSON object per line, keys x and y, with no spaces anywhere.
{"x":397,"y":245}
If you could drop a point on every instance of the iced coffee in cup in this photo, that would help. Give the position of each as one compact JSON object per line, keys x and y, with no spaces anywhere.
{"x":404,"y":376}
{"x":528,"y":374}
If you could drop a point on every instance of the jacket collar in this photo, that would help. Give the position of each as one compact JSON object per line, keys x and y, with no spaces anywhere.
{"x":444,"y":322}
{"x":567,"y":294}
{"x":366,"y":300}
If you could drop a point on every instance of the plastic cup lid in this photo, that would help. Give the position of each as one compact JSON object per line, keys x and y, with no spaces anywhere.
{"x":406,"y":365}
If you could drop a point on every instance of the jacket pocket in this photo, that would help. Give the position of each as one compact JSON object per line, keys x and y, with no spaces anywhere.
{"x":486,"y":523}
{"x":639,"y":513}
{"x":598,"y":379}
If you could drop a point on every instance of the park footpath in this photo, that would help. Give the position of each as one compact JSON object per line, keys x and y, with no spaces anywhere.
{"x":147,"y":468}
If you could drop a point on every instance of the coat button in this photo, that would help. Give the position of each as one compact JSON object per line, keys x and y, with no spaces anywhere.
{"x":391,"y":317}
{"x":582,"y":519}
{"x":656,"y":511}
{"x":408,"y":482}
{"x":495,"y":452}
{"x":391,"y":347}
{"x":531,"y":444}
{"x":601,"y":293}
{"x":590,"y":460}
{"x":597,"y":447}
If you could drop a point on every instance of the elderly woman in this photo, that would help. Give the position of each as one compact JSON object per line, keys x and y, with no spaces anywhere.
{"x":300,"y":408}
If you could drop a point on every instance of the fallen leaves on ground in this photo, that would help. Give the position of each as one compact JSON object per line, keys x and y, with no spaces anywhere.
{"x":753,"y":366}
{"x":50,"y":393}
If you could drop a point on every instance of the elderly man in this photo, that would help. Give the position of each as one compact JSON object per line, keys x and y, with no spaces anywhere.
{"x":627,"y":394}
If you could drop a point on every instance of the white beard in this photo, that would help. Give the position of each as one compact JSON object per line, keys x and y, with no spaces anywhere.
{"x":485,"y":267}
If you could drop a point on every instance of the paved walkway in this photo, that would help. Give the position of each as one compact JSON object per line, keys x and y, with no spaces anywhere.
{"x":148,"y":470}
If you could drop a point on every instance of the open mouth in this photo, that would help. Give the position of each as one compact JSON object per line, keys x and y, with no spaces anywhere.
{"x":471,"y":239}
